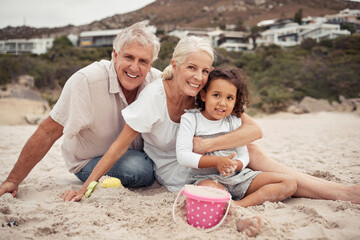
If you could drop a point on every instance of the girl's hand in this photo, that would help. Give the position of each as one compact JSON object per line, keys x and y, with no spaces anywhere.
{"x":239,"y":165}
{"x":226,"y":165}
{"x":71,"y":195}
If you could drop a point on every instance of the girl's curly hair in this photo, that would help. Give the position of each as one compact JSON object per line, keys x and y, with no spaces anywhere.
{"x":235,"y":76}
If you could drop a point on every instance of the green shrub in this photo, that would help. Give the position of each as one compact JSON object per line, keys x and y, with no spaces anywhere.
{"x":308,"y":44}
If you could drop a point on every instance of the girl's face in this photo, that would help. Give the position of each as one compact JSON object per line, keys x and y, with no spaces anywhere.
{"x":220,"y":99}
{"x":192,"y":74}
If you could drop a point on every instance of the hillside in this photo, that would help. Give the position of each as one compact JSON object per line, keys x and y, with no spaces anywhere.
{"x":168,"y":14}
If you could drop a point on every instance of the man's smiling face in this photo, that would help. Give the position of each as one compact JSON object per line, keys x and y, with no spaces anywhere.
{"x":132,"y":64}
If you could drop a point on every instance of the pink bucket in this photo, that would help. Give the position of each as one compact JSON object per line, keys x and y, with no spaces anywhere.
{"x":205,"y":206}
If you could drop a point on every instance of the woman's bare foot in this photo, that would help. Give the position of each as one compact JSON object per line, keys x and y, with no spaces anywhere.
{"x":250,"y":226}
{"x":353,"y":194}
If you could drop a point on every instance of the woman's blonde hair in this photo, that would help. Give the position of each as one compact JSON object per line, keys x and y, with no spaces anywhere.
{"x":141,"y":33}
{"x":185,"y":46}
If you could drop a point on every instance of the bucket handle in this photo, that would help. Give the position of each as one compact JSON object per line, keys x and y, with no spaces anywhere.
{"x":208,"y":229}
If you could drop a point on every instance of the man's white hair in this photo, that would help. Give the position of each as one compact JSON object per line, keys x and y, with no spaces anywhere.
{"x":141,"y":33}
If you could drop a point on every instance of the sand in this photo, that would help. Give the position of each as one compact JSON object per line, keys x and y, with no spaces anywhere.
{"x":326,"y":145}
{"x":15,"y":111}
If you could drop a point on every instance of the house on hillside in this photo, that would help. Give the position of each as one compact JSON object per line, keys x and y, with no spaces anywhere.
{"x":321,"y":31}
{"x":292,"y":34}
{"x":285,"y":36}
{"x":274,"y":23}
{"x":230,"y":40}
{"x":234,"y":41}
{"x":200,"y":32}
{"x":20,"y":46}
{"x":183,"y":32}
{"x":346,"y":16}
{"x":101,"y":38}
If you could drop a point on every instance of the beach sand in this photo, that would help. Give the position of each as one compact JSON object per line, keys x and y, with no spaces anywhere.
{"x":326,"y":145}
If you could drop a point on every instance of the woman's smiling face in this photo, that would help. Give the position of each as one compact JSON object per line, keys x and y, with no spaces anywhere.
{"x":193,"y":73}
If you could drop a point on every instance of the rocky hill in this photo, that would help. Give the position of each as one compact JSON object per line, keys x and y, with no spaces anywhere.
{"x":168,"y":14}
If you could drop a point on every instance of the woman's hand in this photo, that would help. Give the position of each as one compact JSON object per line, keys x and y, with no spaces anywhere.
{"x":71,"y":195}
{"x":226,"y":165}
{"x":200,"y":145}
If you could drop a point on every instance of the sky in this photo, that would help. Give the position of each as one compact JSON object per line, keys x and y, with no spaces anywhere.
{"x":58,"y":13}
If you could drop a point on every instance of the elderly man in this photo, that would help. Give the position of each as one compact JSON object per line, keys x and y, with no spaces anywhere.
{"x":88,"y":114}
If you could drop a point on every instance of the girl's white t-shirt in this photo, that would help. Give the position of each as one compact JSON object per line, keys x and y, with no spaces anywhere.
{"x":193,"y":123}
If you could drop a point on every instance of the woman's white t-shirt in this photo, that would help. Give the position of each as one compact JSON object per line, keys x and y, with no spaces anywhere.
{"x":149,"y":116}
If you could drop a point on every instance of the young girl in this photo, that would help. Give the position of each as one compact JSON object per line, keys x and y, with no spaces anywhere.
{"x":221,"y":103}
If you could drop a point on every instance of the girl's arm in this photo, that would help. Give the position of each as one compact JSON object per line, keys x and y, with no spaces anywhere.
{"x":116,"y":150}
{"x":184,"y":144}
{"x":242,"y":157}
{"x":248,"y":132}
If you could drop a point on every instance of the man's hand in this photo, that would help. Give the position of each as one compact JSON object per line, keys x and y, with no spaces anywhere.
{"x":8,"y":187}
{"x":71,"y":195}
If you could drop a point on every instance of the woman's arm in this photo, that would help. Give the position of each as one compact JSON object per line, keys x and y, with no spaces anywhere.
{"x":248,"y":132}
{"x":116,"y":150}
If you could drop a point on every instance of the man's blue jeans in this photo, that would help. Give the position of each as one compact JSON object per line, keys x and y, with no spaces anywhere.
{"x":134,"y":169}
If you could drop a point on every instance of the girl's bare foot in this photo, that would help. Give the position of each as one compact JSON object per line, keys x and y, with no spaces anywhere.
{"x":250,"y":226}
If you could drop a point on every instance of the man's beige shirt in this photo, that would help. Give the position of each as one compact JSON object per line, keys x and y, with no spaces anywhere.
{"x":89,"y":109}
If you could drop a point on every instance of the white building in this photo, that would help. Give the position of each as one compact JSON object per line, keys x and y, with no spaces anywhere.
{"x":293,"y":34}
{"x":345,"y":16}
{"x":99,"y":38}
{"x":19,"y":46}
{"x":230,"y":40}
{"x":286,"y":36}
{"x":235,"y":41}
{"x":210,"y":33}
{"x":321,"y":31}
